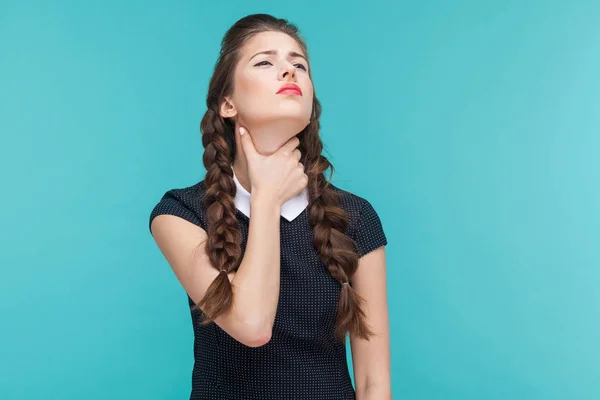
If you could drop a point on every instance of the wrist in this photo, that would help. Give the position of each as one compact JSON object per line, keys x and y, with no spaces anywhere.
{"x":264,"y":202}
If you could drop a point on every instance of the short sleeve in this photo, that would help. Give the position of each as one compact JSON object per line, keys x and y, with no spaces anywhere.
{"x":369,"y":234}
{"x":173,"y":203}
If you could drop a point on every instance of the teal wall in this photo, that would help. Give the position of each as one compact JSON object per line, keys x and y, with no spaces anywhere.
{"x":472,"y":127}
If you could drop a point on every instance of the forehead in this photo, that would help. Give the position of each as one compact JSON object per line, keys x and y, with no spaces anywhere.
{"x":270,"y":41}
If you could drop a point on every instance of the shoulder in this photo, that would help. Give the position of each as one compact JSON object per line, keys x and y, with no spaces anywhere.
{"x":354,"y":204}
{"x":184,"y":202}
{"x":351,"y":202}
{"x":364,"y":224}
{"x":188,"y":195}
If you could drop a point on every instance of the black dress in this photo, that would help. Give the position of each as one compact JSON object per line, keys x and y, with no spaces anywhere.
{"x":302,"y":360}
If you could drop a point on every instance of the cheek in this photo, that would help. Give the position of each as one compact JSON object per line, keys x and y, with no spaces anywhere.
{"x":247,"y":90}
{"x":307,"y":87}
{"x":309,"y":94}
{"x":247,"y":85}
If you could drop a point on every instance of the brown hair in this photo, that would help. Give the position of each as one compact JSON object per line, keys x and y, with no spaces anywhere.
{"x":328,"y":220}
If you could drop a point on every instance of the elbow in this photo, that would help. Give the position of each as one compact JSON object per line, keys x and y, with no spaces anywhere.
{"x":249,"y":330}
{"x":259,"y":339}
{"x":256,"y":335}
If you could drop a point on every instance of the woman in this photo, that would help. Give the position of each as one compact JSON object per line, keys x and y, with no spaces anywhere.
{"x":273,"y":296}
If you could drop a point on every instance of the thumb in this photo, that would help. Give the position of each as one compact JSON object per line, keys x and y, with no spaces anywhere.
{"x":247,"y":143}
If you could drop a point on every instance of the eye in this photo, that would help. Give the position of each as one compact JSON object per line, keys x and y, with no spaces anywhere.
{"x":262,"y":63}
{"x":300,"y":66}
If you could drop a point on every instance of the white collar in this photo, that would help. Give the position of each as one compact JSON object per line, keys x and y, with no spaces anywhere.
{"x":289,"y":210}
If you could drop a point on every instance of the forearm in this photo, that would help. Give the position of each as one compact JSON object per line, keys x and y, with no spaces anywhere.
{"x":256,"y":282}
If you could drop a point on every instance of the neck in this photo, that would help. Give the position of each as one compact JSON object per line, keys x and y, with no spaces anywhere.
{"x":267,"y":139}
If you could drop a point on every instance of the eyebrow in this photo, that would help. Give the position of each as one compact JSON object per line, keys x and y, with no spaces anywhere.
{"x":291,"y":54}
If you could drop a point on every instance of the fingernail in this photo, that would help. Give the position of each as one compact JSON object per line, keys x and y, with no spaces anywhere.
{"x":242,"y":131}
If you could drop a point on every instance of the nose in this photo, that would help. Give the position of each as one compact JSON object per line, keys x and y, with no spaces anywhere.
{"x":287,"y":72}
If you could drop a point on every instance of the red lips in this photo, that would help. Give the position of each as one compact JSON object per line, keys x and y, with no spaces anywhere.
{"x":290,"y":88}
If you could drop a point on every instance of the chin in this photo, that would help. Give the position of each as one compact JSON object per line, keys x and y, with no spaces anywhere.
{"x":293,"y":123}
{"x":286,"y":120}
{"x":291,"y":116}
{"x":293,"y":109}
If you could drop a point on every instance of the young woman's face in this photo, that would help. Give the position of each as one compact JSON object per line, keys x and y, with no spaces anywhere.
{"x":268,"y":61}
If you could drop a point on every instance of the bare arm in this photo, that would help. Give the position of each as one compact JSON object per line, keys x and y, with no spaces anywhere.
{"x":371,"y":359}
{"x":255,"y":283}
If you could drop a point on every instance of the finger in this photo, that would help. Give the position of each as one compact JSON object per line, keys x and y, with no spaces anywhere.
{"x":297,"y":155}
{"x":290,"y":145}
{"x":247,"y":143}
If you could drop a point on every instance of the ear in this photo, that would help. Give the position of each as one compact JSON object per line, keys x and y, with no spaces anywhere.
{"x":227,"y":109}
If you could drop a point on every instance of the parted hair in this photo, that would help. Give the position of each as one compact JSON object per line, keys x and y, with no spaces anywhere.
{"x":328,"y":220}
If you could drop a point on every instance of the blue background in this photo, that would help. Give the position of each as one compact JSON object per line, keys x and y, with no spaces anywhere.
{"x":471,"y":126}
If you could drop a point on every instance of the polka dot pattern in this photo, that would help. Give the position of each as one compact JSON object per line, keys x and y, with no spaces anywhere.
{"x":302,"y":360}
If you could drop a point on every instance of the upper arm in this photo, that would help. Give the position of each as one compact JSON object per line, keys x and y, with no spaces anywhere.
{"x":371,"y":359}
{"x":183,"y":245}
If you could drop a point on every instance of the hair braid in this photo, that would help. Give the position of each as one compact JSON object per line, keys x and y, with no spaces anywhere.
{"x":337,"y":250}
{"x":223,"y":245}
